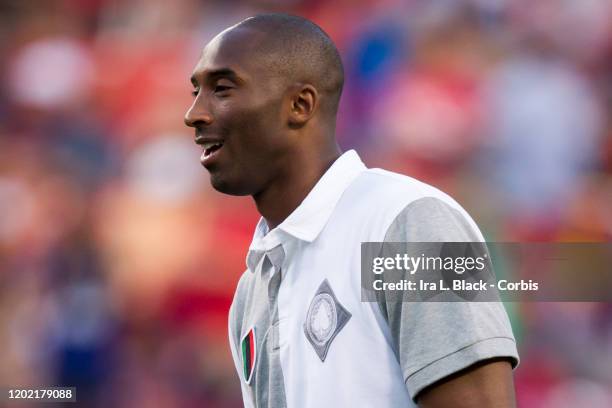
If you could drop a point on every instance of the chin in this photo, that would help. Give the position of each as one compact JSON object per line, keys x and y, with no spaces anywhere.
{"x":227,"y":187}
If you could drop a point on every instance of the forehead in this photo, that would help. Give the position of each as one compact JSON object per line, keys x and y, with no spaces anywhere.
{"x":234,"y":49}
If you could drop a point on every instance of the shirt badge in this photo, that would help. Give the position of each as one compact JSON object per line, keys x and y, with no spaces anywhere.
{"x":324,"y":320}
{"x":248,"y":349}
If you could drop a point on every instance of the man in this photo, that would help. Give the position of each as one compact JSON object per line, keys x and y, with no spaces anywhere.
{"x":266,"y":96}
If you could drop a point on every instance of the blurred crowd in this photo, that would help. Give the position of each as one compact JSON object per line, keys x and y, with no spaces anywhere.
{"x":117,"y":259}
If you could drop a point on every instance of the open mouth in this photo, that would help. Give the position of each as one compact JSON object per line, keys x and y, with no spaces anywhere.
{"x":211,"y":147}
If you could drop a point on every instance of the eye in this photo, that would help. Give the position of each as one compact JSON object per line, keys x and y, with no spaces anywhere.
{"x":222,"y":88}
{"x":195,"y":92}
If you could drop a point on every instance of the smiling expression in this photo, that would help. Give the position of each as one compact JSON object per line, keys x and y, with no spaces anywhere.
{"x":238,"y":114}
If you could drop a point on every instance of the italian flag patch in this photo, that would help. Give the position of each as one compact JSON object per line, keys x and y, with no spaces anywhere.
{"x":248,"y":350}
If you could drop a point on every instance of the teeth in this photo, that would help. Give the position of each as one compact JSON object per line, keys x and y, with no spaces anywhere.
{"x":208,"y":145}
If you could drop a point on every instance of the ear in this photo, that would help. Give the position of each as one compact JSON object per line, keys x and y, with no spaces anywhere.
{"x":303,"y":104}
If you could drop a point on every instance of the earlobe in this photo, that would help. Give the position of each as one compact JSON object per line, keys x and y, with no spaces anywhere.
{"x":303,"y":105}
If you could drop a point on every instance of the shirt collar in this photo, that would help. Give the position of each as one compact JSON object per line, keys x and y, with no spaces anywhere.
{"x":308,"y":219}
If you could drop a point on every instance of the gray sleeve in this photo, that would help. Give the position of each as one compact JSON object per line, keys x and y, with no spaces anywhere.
{"x":235,"y":318}
{"x":236,"y":315}
{"x":435,"y":339}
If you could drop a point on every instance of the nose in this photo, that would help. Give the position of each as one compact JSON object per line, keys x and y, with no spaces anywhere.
{"x":198,"y":114}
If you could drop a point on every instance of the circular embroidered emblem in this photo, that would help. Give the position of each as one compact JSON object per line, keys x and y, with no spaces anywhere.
{"x":322,"y":318}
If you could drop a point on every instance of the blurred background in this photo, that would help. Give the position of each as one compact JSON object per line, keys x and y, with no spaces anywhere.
{"x":118,"y":261}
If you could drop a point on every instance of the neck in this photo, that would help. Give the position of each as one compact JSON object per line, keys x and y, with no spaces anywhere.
{"x":286,"y":193}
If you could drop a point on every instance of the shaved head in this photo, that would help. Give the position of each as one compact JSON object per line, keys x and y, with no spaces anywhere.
{"x":266,"y":94}
{"x":298,"y":50}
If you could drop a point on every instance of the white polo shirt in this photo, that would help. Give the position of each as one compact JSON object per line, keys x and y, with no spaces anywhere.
{"x":299,"y":332}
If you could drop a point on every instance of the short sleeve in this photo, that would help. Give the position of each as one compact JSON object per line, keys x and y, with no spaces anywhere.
{"x":435,"y":339}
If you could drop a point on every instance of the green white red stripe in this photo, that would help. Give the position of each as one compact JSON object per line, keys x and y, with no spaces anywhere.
{"x":248,"y":348}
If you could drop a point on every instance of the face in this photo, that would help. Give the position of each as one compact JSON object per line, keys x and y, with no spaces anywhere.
{"x":237,"y":114}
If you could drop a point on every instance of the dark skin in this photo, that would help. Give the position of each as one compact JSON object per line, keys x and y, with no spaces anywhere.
{"x":485,"y":384}
{"x":277,"y":142}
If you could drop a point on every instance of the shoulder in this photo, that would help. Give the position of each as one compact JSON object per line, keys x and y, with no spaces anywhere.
{"x":432,"y":219}
{"x":409,"y":208}
{"x":404,"y":188}
{"x":388,"y":183}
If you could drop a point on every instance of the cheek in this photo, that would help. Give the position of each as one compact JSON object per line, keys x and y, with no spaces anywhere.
{"x":258,"y":129}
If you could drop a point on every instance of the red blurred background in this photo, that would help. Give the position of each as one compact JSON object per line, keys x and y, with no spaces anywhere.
{"x":118,"y":261}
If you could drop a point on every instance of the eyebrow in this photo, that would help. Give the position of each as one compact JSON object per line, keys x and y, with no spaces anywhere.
{"x":217,"y":73}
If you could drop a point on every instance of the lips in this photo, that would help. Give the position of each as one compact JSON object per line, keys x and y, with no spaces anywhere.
{"x":210,"y":148}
